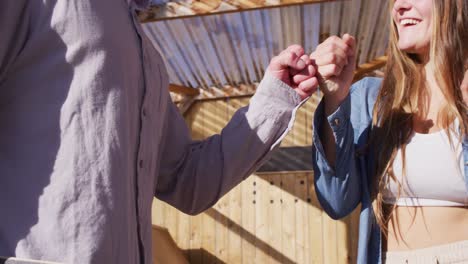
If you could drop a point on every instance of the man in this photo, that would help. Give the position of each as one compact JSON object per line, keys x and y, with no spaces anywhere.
{"x":89,"y":134}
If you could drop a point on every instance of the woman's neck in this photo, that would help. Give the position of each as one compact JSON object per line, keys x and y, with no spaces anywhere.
{"x":430,"y":103}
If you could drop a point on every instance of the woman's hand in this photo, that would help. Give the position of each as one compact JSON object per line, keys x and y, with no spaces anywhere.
{"x":335,"y":60}
{"x":292,"y":66}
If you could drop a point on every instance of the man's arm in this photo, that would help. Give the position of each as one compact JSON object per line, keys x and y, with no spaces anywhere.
{"x":194,"y":175}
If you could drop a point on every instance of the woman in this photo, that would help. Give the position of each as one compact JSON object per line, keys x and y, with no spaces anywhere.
{"x":398,"y":146}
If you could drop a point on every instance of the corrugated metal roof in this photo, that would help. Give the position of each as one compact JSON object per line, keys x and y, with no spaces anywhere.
{"x":235,"y":48}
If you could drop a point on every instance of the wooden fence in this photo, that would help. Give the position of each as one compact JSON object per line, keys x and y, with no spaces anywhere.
{"x":269,"y":218}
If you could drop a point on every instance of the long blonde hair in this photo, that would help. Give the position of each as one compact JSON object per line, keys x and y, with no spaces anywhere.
{"x":402,"y":96}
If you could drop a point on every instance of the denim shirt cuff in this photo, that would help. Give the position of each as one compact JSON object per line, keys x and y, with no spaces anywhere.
{"x":338,"y":121}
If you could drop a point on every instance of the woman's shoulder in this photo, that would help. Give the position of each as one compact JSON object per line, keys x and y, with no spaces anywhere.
{"x":369,"y":86}
{"x":363,"y":95}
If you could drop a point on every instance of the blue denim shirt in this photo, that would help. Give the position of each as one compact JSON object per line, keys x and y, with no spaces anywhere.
{"x":341,"y":189}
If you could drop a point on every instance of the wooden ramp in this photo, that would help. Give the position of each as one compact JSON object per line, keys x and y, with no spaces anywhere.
{"x":165,"y":250}
{"x":272,"y":217}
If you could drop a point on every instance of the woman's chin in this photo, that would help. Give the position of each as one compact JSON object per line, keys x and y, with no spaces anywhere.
{"x":411,"y":48}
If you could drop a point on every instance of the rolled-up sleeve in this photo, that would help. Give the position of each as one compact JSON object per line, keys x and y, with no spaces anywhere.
{"x":14,"y":21}
{"x":195,"y":174}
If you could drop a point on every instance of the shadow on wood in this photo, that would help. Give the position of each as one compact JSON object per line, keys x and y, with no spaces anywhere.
{"x":165,"y":250}
{"x":249,"y":237}
{"x":207,"y":256}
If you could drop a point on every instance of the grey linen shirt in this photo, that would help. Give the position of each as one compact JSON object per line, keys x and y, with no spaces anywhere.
{"x":89,"y":135}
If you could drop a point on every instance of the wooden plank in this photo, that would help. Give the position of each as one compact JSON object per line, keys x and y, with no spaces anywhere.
{"x":195,"y":239}
{"x":330,"y":251}
{"x":288,"y":210}
{"x":342,"y":240}
{"x":172,"y":222}
{"x":292,"y":159}
{"x":301,"y":127}
{"x":369,"y":67}
{"x":154,"y":14}
{"x":212,"y":3}
{"x":214,"y":117}
{"x":248,"y":219}
{"x":157,"y":213}
{"x":183,"y":231}
{"x":316,"y":230}
{"x":165,"y":250}
{"x":221,"y":227}
{"x":309,"y":108}
{"x":185,"y":104}
{"x":208,"y":238}
{"x":275,"y":219}
{"x":175,"y":88}
{"x":200,"y":8}
{"x":301,"y":223}
{"x":261,"y":223}
{"x":353,"y":234}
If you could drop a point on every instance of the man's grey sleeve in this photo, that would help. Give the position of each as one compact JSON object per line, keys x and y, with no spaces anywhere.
{"x":194,"y":175}
{"x":14,"y":22}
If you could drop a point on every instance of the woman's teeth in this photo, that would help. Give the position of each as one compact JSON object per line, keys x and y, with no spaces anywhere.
{"x":405,"y":22}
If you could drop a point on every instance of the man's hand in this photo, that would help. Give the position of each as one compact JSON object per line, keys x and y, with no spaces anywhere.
{"x":335,"y":60}
{"x":292,"y":66}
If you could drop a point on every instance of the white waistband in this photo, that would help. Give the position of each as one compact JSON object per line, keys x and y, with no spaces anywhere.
{"x":411,"y":201}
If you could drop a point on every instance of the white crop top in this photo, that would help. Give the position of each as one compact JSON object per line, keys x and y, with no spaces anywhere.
{"x":434,"y":173}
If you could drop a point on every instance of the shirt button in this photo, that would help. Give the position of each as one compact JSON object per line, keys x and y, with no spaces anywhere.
{"x":140,"y":164}
{"x":144,"y":111}
{"x":336,"y":121}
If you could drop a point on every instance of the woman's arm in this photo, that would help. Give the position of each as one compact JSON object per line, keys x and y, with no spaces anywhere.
{"x":335,"y":60}
{"x":336,"y":179}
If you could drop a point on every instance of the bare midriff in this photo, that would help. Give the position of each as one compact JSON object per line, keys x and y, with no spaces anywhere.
{"x":421,"y":227}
